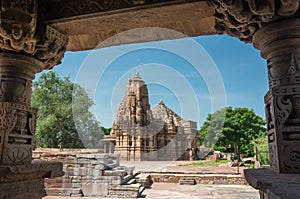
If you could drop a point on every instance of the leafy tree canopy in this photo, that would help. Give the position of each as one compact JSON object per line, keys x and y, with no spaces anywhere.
{"x":64,"y":119}
{"x":232,"y":128}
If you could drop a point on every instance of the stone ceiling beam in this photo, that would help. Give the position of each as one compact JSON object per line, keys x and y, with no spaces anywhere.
{"x":58,"y":10}
{"x":99,"y":21}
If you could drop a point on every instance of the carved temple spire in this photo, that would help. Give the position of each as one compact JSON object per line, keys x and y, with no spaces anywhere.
{"x":137,"y":76}
{"x":135,"y":105}
{"x":161,"y":103}
{"x":143,"y":134}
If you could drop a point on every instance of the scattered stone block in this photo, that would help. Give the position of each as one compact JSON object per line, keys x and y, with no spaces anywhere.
{"x":89,"y":175}
{"x":187,"y":181}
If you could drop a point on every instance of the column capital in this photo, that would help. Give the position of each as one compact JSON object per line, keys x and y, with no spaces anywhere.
{"x":281,"y":48}
{"x":278,"y":38}
{"x":241,"y":18}
{"x":21,"y":32}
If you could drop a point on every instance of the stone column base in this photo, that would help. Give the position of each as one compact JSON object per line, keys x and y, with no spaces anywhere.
{"x":273,"y":185}
{"x":27,"y":181}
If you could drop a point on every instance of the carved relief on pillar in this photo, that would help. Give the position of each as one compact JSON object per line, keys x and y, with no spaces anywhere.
{"x":25,"y":49}
{"x":282,"y":108}
{"x":19,"y":33}
{"x":17,"y":129}
{"x":16,"y":74}
{"x":291,"y":162}
{"x":281,"y":48}
{"x":18,"y":25}
{"x":51,"y":47}
{"x":283,"y":127}
{"x":272,"y":138}
{"x":284,"y":71}
{"x":241,"y":19}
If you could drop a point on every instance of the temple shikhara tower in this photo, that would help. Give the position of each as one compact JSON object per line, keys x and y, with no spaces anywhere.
{"x":140,"y":133}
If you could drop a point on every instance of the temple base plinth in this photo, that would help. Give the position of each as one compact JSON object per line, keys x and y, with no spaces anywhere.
{"x":27,"y":180}
{"x":273,"y":185}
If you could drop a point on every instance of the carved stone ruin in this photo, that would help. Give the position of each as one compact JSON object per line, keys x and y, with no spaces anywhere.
{"x":89,"y":173}
{"x":273,"y":26}
{"x":140,"y":133}
{"x":25,"y":49}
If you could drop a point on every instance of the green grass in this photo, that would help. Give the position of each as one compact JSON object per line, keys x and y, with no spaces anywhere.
{"x":207,"y":163}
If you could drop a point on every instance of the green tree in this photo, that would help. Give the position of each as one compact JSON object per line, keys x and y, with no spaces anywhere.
{"x":105,"y":130}
{"x":232,"y":128}
{"x":212,"y":128}
{"x":261,"y":150}
{"x":64,"y":119}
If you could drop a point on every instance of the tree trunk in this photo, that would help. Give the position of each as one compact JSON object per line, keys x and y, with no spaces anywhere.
{"x":237,"y":152}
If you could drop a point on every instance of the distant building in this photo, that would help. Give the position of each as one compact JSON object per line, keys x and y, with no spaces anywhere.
{"x":140,"y":133}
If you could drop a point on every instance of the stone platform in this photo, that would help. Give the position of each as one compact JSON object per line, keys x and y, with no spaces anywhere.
{"x":274,"y":185}
{"x":172,"y":172}
{"x":221,"y":179}
{"x":27,"y":180}
{"x":175,"y":167}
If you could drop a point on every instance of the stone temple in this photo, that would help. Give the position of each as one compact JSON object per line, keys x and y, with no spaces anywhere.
{"x":140,"y":133}
{"x":36,"y":34}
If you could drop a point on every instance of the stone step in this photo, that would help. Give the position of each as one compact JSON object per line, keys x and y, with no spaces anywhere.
{"x":127,"y":178}
{"x":130,"y":177}
{"x":124,"y":191}
{"x":187,"y":181}
{"x":145,"y":180}
{"x":72,"y":192}
{"x":224,"y":179}
{"x":64,"y":185}
{"x":131,"y":181}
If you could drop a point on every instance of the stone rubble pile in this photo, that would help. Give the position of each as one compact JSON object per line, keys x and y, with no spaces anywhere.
{"x":91,"y":174}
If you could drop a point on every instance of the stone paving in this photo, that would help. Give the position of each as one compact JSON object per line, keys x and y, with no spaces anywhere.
{"x":173,"y":191}
{"x":173,"y":166}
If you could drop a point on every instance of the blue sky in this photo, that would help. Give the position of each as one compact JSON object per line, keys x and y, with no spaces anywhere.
{"x":193,"y":76}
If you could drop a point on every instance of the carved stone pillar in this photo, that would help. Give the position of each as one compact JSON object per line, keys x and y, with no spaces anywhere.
{"x":27,"y":46}
{"x":25,"y":49}
{"x":18,"y":119}
{"x":273,"y":26}
{"x":279,"y":43}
